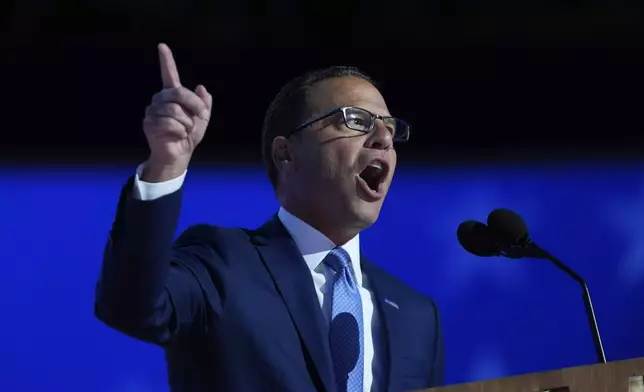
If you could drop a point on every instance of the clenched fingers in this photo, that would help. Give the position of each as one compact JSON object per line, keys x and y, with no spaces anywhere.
{"x":172,"y":110}
{"x":189,"y":100}
{"x":168,"y":125}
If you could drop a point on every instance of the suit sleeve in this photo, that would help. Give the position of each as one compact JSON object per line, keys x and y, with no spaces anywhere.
{"x":438,"y":368}
{"x":150,"y":288}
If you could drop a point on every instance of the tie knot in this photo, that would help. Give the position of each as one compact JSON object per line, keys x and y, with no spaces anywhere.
{"x":338,"y":259}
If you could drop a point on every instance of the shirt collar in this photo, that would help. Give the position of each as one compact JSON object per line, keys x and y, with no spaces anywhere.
{"x":314,"y":246}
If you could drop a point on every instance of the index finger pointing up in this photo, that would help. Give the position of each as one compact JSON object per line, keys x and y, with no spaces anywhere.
{"x":169,"y":73}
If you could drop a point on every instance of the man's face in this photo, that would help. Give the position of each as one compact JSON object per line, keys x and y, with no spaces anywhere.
{"x":342,"y":175}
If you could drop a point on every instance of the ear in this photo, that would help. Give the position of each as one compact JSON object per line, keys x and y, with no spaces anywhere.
{"x":281,"y":152}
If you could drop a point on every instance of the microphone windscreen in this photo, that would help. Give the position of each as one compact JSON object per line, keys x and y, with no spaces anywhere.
{"x":508,"y":226}
{"x":476,"y":238}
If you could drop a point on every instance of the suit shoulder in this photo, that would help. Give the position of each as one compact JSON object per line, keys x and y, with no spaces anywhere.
{"x":227,"y":242}
{"x":208,"y":232}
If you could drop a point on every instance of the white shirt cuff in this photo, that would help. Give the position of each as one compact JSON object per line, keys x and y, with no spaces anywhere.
{"x":148,"y":191}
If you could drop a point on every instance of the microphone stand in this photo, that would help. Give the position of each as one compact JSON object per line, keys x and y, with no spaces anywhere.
{"x":530,"y":249}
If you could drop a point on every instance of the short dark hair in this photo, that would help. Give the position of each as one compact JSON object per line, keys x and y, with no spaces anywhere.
{"x":290,"y":108}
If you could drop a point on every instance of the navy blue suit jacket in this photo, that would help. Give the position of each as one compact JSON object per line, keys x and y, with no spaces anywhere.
{"x":236,"y":310}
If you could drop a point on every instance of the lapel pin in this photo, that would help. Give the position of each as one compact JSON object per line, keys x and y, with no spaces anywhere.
{"x":390,"y":302}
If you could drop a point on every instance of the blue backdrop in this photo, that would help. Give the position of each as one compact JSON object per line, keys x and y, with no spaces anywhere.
{"x":501,"y":317}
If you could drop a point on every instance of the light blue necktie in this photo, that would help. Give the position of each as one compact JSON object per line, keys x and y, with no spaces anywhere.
{"x":346,"y":333}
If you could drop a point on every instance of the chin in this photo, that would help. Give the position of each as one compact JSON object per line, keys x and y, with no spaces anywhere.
{"x":367,"y":213}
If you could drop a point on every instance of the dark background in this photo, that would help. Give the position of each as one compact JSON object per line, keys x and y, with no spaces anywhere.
{"x":478,"y":80}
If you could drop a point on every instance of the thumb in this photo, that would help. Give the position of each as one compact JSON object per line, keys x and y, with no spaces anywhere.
{"x":204,"y":95}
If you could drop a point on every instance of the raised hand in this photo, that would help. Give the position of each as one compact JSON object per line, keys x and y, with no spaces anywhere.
{"x":175,"y":122}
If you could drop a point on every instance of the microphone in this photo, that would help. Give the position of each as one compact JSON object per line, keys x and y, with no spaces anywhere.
{"x":477,"y":239}
{"x":506,"y":234}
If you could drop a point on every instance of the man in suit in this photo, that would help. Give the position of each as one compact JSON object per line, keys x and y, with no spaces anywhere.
{"x":292,"y":305}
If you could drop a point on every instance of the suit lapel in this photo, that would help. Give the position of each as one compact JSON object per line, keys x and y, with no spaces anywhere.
{"x":388,"y":308}
{"x":294,"y":283}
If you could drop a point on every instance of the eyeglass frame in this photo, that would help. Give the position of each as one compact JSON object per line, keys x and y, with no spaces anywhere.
{"x":343,"y":109}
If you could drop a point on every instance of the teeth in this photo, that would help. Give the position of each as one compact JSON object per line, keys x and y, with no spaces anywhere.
{"x":376,"y":164}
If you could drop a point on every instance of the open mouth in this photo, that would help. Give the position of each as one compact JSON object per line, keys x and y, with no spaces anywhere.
{"x":375,"y":174}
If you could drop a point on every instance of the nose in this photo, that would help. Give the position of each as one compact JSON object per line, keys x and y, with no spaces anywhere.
{"x":381,"y":137}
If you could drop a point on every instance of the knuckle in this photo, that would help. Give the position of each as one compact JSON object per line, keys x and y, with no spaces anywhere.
{"x":165,"y":95}
{"x":178,"y":93}
{"x":158,"y":97}
{"x":173,"y":109}
{"x":166,"y":123}
{"x":170,"y":94}
{"x":155,"y":123}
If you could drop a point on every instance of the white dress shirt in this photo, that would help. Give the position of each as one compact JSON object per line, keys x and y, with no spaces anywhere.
{"x":314,"y":246}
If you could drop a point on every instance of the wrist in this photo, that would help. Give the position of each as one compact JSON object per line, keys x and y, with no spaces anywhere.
{"x":155,"y":172}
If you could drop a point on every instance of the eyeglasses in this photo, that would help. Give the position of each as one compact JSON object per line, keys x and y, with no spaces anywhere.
{"x":364,"y":121}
